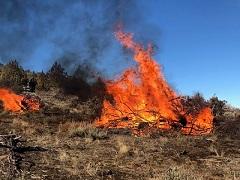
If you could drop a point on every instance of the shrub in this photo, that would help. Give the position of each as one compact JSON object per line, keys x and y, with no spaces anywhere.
{"x":42,"y":81}
{"x":12,"y":75}
{"x":193,"y":104}
{"x":56,"y":75}
{"x":88,"y":131}
{"x":218,"y":106}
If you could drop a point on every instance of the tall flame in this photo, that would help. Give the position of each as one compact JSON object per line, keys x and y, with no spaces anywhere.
{"x":142,"y":94}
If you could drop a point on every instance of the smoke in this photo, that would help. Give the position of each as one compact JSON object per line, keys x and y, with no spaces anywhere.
{"x":37,"y":32}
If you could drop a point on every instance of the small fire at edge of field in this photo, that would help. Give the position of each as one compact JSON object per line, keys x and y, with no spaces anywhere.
{"x":142,"y":95}
{"x":19,"y":103}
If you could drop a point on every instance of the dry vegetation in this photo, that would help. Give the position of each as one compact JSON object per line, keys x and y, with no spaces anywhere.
{"x":76,"y":149}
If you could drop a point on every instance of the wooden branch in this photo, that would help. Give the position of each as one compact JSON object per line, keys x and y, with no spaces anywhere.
{"x":13,"y":144}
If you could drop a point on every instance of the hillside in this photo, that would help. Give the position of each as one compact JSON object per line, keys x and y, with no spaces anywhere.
{"x":73,"y":148}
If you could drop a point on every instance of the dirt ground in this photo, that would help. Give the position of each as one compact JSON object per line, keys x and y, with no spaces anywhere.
{"x":75,"y":149}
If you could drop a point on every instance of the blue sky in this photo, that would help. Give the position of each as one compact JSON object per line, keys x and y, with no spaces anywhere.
{"x":198,"y":41}
{"x":200,"y":45}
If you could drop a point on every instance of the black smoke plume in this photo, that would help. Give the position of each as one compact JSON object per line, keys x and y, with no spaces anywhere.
{"x":73,"y":32}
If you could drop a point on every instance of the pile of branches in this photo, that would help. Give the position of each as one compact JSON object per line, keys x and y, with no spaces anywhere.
{"x":15,"y":148}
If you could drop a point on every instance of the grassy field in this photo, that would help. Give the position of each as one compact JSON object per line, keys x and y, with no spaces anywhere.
{"x":75,"y":149}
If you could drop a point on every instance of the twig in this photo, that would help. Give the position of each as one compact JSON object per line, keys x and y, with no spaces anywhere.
{"x":15,"y":149}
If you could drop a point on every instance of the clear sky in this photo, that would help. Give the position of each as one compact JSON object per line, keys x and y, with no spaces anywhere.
{"x":198,"y":41}
{"x":200,"y":45}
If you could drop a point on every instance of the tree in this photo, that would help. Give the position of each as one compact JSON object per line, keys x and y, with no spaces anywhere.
{"x":42,"y":81}
{"x":218,"y":106}
{"x":56,"y":74}
{"x":11,"y":75}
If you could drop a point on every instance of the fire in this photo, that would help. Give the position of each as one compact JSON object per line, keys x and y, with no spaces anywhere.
{"x":142,"y":95}
{"x":18,"y":103}
{"x":11,"y":101}
{"x":203,"y":123}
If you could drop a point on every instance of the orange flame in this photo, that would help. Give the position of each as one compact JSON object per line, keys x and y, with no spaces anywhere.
{"x":142,"y":94}
{"x":17,"y":103}
{"x":11,"y":101}
{"x":202,"y":124}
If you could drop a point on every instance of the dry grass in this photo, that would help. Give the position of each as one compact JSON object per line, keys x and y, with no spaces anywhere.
{"x":81,"y":129}
{"x":79,"y":150}
{"x":122,"y":147}
{"x":178,"y":173}
{"x":74,"y":154}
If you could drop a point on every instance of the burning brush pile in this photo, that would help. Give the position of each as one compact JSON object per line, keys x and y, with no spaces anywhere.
{"x":19,"y":103}
{"x":140,"y":98}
